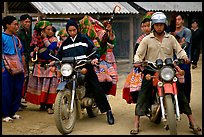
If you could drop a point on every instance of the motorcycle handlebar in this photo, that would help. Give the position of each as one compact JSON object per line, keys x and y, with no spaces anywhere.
{"x":146,"y":63}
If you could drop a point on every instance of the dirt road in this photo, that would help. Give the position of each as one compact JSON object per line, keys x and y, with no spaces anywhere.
{"x":36,"y":122}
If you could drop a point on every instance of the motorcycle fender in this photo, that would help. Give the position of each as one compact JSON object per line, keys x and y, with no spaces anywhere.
{"x":61,"y":85}
{"x":168,"y":88}
{"x":159,"y":91}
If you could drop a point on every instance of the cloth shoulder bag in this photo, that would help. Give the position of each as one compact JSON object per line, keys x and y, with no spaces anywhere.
{"x":12,"y":62}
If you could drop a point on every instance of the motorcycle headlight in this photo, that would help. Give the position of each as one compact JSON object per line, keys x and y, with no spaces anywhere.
{"x":167,"y":73}
{"x":66,"y":70}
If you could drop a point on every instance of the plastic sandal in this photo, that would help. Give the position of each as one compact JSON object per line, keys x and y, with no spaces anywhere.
{"x":134,"y":131}
{"x":16,"y":116}
{"x":50,"y":111}
{"x":7,"y":119}
{"x":196,"y":129}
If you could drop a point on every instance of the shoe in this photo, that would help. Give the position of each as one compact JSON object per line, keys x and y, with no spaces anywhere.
{"x":50,"y":111}
{"x":134,"y":131}
{"x":7,"y":119}
{"x":110,"y":117}
{"x":194,"y":66}
{"x":16,"y":116}
{"x":23,"y":105}
{"x":23,"y":100}
{"x":196,"y":129}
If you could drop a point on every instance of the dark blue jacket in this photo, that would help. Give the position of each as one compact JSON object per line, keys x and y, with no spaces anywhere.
{"x":81,"y":46}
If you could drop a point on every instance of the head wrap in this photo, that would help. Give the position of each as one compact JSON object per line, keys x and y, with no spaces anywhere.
{"x":62,"y":32}
{"x":71,"y":22}
{"x":25,"y":16}
{"x":148,"y":15}
{"x":36,"y":38}
{"x":41,"y":25}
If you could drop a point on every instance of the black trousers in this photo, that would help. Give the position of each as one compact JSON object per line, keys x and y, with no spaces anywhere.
{"x":195,"y":53}
{"x":184,"y":105}
{"x":145,"y":97}
{"x":187,"y":85}
{"x":95,"y":88}
{"x":106,"y":86}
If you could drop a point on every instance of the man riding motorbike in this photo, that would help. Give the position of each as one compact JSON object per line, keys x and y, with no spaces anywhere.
{"x":158,"y":44}
{"x":79,"y":45}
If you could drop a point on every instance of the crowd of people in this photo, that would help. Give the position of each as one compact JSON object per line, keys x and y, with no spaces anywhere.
{"x":39,"y":85}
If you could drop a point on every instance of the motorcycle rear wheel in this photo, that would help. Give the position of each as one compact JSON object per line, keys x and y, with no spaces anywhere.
{"x":64,"y":119}
{"x":171,"y":119}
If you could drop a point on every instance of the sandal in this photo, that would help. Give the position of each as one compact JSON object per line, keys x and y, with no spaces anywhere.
{"x":7,"y":119}
{"x":16,"y":117}
{"x":134,"y":131}
{"x":50,"y":111}
{"x":196,"y":129}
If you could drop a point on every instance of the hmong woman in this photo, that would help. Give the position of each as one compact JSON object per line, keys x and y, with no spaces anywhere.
{"x":43,"y":80}
{"x":106,"y":52}
{"x":105,"y":42}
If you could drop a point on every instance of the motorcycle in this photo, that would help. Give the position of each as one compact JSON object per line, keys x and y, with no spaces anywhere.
{"x":165,"y":106}
{"x":72,"y":96}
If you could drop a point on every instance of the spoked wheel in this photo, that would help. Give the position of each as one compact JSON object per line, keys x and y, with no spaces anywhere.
{"x":171,"y":119}
{"x":65,"y":119}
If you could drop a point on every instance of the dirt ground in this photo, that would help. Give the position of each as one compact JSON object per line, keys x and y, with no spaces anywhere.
{"x":36,"y":122}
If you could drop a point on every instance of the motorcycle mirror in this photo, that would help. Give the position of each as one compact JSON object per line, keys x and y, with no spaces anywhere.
{"x":168,"y":61}
{"x":159,"y":63}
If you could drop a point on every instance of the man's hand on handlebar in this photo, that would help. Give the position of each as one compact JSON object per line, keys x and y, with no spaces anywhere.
{"x":136,"y":64}
{"x":187,"y":61}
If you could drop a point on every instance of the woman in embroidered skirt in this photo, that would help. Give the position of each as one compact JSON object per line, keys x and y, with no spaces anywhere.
{"x":108,"y":59}
{"x":43,"y":80}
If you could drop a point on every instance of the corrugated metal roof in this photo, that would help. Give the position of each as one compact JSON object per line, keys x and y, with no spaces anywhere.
{"x":171,"y":6}
{"x":83,"y":7}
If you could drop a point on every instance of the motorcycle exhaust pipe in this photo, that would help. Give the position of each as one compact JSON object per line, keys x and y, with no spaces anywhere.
{"x":87,"y":102}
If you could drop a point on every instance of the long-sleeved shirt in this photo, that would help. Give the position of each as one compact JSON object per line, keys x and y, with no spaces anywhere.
{"x":8,"y":46}
{"x":186,"y":33}
{"x":151,"y":48}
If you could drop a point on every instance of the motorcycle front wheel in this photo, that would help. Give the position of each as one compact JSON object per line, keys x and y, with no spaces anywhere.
{"x":65,"y":119}
{"x":171,"y":119}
